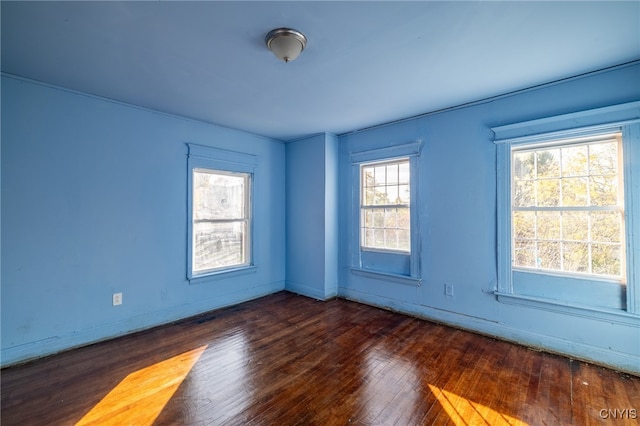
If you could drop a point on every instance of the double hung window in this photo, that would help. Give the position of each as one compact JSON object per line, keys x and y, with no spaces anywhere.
{"x":221,"y":220}
{"x":385,"y":235}
{"x":569,"y":212}
{"x":385,"y":219}
{"x":220,"y":212}
{"x":568,"y":207}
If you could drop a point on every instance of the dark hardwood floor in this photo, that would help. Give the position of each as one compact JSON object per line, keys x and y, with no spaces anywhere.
{"x":286,"y":359}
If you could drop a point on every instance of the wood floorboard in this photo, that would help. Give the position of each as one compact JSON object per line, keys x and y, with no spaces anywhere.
{"x":289,"y":360}
{"x":555,"y":376}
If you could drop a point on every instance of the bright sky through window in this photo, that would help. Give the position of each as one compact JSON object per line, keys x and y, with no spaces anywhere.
{"x":220,"y":219}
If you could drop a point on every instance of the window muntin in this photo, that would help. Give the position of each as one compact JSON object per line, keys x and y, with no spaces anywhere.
{"x":220,"y":220}
{"x":385,"y":220}
{"x":568,"y":207}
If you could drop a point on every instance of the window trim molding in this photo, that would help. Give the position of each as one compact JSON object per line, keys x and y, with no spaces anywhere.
{"x":387,"y":276}
{"x":610,"y":315}
{"x":631,"y":151}
{"x":205,"y":157}
{"x":389,"y":153}
{"x":223,"y":273}
{"x":623,"y":117}
{"x":411,"y":151}
{"x":568,"y":125}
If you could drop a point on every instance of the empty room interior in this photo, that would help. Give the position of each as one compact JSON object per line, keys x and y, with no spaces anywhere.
{"x":320,"y":212}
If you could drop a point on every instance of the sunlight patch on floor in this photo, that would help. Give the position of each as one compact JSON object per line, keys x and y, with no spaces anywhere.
{"x":461,"y":411}
{"x":141,"y":396}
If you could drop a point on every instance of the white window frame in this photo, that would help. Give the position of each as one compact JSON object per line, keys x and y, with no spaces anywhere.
{"x":587,"y":208}
{"x":385,"y":259}
{"x":244,"y":219}
{"x":373,"y":207}
{"x":221,"y":161}
{"x":583,"y":296}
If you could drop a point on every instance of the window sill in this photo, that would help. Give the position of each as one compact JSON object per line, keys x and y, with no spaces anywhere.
{"x":224,"y":274}
{"x":602,"y":314}
{"x":386,"y":276}
{"x":381,"y":250}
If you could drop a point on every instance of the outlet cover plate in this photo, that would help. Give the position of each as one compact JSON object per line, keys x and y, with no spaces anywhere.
{"x":448,"y":289}
{"x":117,"y":299}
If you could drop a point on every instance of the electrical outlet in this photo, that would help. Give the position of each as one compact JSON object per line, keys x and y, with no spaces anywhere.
{"x":117,"y":299}
{"x":448,"y":289}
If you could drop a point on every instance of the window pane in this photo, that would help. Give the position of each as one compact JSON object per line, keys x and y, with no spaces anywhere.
{"x":369,"y":196}
{"x":378,"y":238}
{"x":575,"y":226}
{"x":574,"y":161}
{"x":380,"y":196}
{"x":392,"y":194}
{"x":392,"y":174}
{"x":548,"y":226}
{"x":548,"y":255}
{"x":368,"y":178}
{"x":523,"y":165}
{"x":606,"y":227}
{"x":217,"y":245}
{"x":368,"y":218}
{"x":381,"y":175}
{"x":547,"y":163}
{"x":403,"y":172}
{"x":390,"y":218}
{"x":404,"y":194}
{"x":524,"y":193}
{"x":548,"y":192}
{"x":368,"y":237}
{"x":603,"y":158}
{"x":218,"y":196}
{"x":404,"y":219}
{"x":604,"y":190}
{"x":575,"y":257}
{"x":391,"y":238}
{"x":524,"y":254}
{"x":606,"y":259}
{"x":524,"y":225}
{"x":378,"y":218}
{"x":574,"y":192}
{"x":404,"y":239}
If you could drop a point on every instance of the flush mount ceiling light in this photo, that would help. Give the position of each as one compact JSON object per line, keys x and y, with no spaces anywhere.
{"x":286,"y":43}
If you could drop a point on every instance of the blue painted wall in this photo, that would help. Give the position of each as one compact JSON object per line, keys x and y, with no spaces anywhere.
{"x":457,"y":213}
{"x":94,"y":202}
{"x":331,"y":208}
{"x":312,"y":216}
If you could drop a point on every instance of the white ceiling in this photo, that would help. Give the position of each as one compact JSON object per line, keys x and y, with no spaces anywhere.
{"x":366,"y":63}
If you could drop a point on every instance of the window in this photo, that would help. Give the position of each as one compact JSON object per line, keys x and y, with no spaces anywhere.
{"x":384,"y":225}
{"x":568,"y":206}
{"x":220,"y":220}
{"x":220,"y":235}
{"x":569,"y":213}
{"x":385,"y":221}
